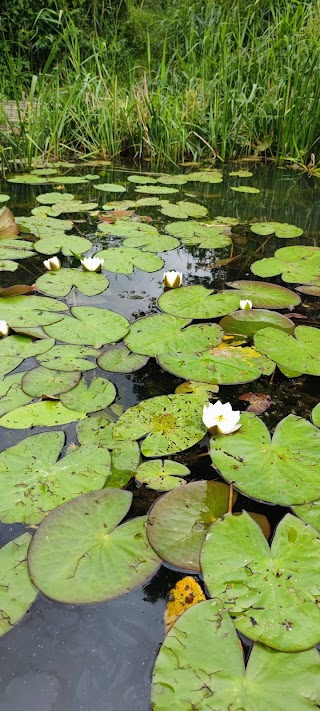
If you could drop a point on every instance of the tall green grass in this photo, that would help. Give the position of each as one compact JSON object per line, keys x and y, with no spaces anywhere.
{"x":232,"y":80}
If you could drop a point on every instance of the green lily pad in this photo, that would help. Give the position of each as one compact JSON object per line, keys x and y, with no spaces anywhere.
{"x":295,"y":264}
{"x":184,"y":209}
{"x":315,"y":415}
{"x":224,"y":366}
{"x":33,"y":481}
{"x":265,"y":295}
{"x":97,"y":430}
{"x":274,"y":587}
{"x":60,"y":242}
{"x":110,"y":188}
{"x":71,"y":179}
{"x":4,"y":198}
{"x":30,"y":310}
{"x":240,"y":174}
{"x":6,"y":265}
{"x":28,"y":179}
{"x":91,"y":558}
{"x":17,"y":593}
{"x":125,"y":455}
{"x":47,"y":413}
{"x":205,"y":176}
{"x":170,"y":423}
{"x":162,"y":475}
{"x":155,"y":190}
{"x":178,"y":522}
{"x":201,"y":662}
{"x":60,"y":208}
{"x":11,"y":394}
{"x":300,"y":353}
{"x":247,"y":323}
{"x":43,"y":227}
{"x":310,"y":513}
{"x":122,"y":260}
{"x":284,"y":470}
{"x":191,"y":386}
{"x":55,"y":197}
{"x":151,"y":202}
{"x":245,"y":189}
{"x":90,"y":326}
{"x":163,"y":333}
{"x":119,"y":359}
{"x":280,"y":229}
{"x":141,"y":179}
{"x":16,"y":249}
{"x":147,"y":243}
{"x":170,"y":179}
{"x":44,"y":171}
{"x":44,"y":381}
{"x":98,"y":395}
{"x":60,"y":283}
{"x":14,"y":349}
{"x":127,"y":228}
{"x":192,"y":233}
{"x":119,"y":205}
{"x":68,"y":358}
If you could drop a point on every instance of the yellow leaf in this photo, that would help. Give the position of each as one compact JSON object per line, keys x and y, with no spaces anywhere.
{"x":186,"y":593}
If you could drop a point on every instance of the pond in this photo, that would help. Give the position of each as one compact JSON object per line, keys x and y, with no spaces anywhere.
{"x":70,"y":650}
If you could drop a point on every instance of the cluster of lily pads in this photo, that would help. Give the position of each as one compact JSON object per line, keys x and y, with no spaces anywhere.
{"x":82,"y":551}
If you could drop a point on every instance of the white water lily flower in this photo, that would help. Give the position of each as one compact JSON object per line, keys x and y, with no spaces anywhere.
{"x":4,"y":328}
{"x":245,"y":304}
{"x":172,"y":279}
{"x":221,"y":417}
{"x":53,"y":264}
{"x":92,"y":264}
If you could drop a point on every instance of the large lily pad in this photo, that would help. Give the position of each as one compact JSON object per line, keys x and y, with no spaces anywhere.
{"x":60,"y":283}
{"x":125,"y":455}
{"x":162,"y":475}
{"x":110,"y":188}
{"x":43,"y":381}
{"x":43,"y":226}
{"x":247,"y":323}
{"x":17,"y":592}
{"x":72,"y":179}
{"x":147,"y":243}
{"x":178,"y":522}
{"x":205,"y":236}
{"x":28,"y":179}
{"x":90,"y":326}
{"x":55,"y":197}
{"x":265,"y":295}
{"x":163,"y":333}
{"x":98,"y":395}
{"x":310,"y":513}
{"x":16,"y":249}
{"x":79,"y":553}
{"x":126,"y":228}
{"x":60,"y":242}
{"x":225,"y":366}
{"x":205,"y":176}
{"x":201,"y":666}
{"x":119,"y":359}
{"x":155,"y":190}
{"x":14,"y":349}
{"x":33,"y":481}
{"x":11,"y":394}
{"x":280,"y":229}
{"x":295,"y":264}
{"x":170,"y":423}
{"x":59,"y":208}
{"x":284,"y":470}
{"x":300,"y":353}
{"x":184,"y":209}
{"x":122,"y":260}
{"x":270,"y":593}
{"x":47,"y":413}
{"x":30,"y":310}
{"x":141,"y":179}
{"x":68,"y":358}
{"x":7,"y":265}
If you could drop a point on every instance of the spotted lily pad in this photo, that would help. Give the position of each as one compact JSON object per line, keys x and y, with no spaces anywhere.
{"x":11,"y":394}
{"x":295,"y":264}
{"x":300,"y":353}
{"x":60,"y":242}
{"x":162,"y":475}
{"x":192,"y":386}
{"x":17,"y":592}
{"x":269,"y":592}
{"x":122,"y":260}
{"x":163,"y":333}
{"x":201,"y":655}
{"x":178,"y":521}
{"x":7,"y":265}
{"x":42,"y":381}
{"x":110,"y":188}
{"x":170,"y":423}
{"x":119,"y":359}
{"x":192,"y":233}
{"x":30,"y":310}
{"x":247,"y":322}
{"x":125,"y":455}
{"x":280,"y":229}
{"x":47,"y":413}
{"x":184,"y":209}
{"x":245,"y":189}
{"x":60,"y":283}
{"x":90,"y":326}
{"x":91,"y":557}
{"x":33,"y":481}
{"x":225,"y":366}
{"x":14,"y":349}
{"x":99,"y":394}
{"x":284,"y":470}
{"x":68,"y":358}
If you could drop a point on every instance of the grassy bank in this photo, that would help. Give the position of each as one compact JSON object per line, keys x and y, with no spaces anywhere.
{"x":227,"y":82}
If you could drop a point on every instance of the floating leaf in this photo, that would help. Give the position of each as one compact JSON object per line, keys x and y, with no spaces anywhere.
{"x":204,"y":236}
{"x":173,"y":179}
{"x":295,"y":264}
{"x":44,"y":381}
{"x":191,"y":386}
{"x":4,"y":198}
{"x":98,"y":395}
{"x":90,"y":326}
{"x":122,"y":260}
{"x":205,"y":176}
{"x":60,"y":283}
{"x":43,"y":227}
{"x":315,"y":415}
{"x":186,"y":593}
{"x":299,"y":353}
{"x":280,"y":229}
{"x":17,"y":592}
{"x":60,"y":242}
{"x":79,"y":554}
{"x":28,"y":179}
{"x":52,"y":198}
{"x":161,"y":475}
{"x":119,"y":205}
{"x":47,"y":413}
{"x":6,"y":265}
{"x":33,"y":481}
{"x":310,"y":513}
{"x":14,"y":349}
{"x":259,"y":402}
{"x":184,"y":209}
{"x":30,"y":311}
{"x":163,"y":333}
{"x":284,"y":470}
{"x":147,"y":243}
{"x":96,"y":430}
{"x":245,"y":189}
{"x":127,"y":228}
{"x":275,"y":588}
{"x":170,"y":423}
{"x":119,"y":359}
{"x":68,"y":358}
{"x":201,"y":661}
{"x":15,"y":249}
{"x":311,"y":289}
{"x":141,"y":179}
{"x":125,"y":455}
{"x":44,"y":171}
{"x":247,"y":322}
{"x":11,"y":394}
{"x":266,"y":296}
{"x":110,"y":188}
{"x":72,"y":179}
{"x":8,"y":226}
{"x":156,"y":190}
{"x":60,"y":208}
{"x":179,"y":520}
{"x":240,"y":174}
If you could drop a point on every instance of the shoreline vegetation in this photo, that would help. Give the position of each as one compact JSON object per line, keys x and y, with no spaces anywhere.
{"x":180,"y":82}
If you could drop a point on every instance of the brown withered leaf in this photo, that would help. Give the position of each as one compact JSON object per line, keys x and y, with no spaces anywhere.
{"x":16,"y":290}
{"x":186,"y":593}
{"x":8,"y":226}
{"x":259,"y":402}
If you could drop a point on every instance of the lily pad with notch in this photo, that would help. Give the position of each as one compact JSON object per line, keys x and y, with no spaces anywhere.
{"x":279,"y":229}
{"x":148,"y":243}
{"x":300,"y":352}
{"x":127,"y":228}
{"x":119,"y":359}
{"x":125,"y":455}
{"x":193,"y":233}
{"x":310,"y":513}
{"x":16,"y":249}
{"x":60,"y":282}
{"x":42,"y":381}
{"x":163,"y":333}
{"x":43,"y":227}
{"x":184,"y":209}
{"x":11,"y":394}
{"x":60,"y":242}
{"x":123,"y":260}
{"x":100,"y":393}
{"x":110,"y":188}
{"x":248,"y":322}
{"x":30,"y":310}
{"x":69,"y":358}
{"x":14,"y":349}
{"x":162,"y":475}
{"x":89,"y":325}
{"x":295,"y":264}
{"x":47,"y":413}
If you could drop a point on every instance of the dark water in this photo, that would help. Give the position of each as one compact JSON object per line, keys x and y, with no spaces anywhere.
{"x":100,"y":657}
